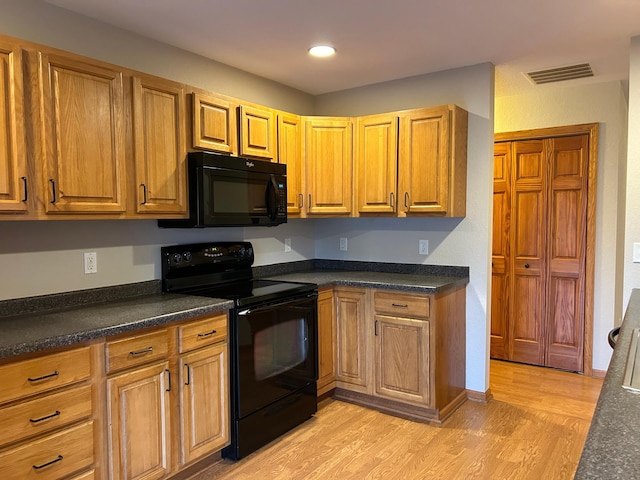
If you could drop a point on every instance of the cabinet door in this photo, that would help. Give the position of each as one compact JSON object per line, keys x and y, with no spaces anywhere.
{"x":351,"y":338}
{"x":402,"y":359}
{"x":204,"y":402}
{"x":257,"y":132}
{"x":376,"y":163}
{"x":83,"y":135}
{"x":432,"y":162}
{"x":290,"y":153}
{"x":138,"y":417}
{"x":160,"y":146}
{"x":14,"y":188}
{"x":326,"y":342}
{"x":214,"y":124}
{"x":329,"y":164}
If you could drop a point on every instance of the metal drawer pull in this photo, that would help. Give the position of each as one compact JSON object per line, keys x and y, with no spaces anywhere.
{"x":45,"y":418}
{"x":38,"y":467}
{"x":142,"y":352}
{"x":208,"y":334}
{"x":399,"y":305}
{"x":44,"y":377}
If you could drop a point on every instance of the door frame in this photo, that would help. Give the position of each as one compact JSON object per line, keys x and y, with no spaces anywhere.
{"x":590,"y":129}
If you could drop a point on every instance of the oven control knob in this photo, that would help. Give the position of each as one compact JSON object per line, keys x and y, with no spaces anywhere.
{"x":186,"y":256}
{"x":177,"y":258}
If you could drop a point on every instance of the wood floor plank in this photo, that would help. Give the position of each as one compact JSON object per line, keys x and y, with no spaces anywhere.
{"x":534,"y":428}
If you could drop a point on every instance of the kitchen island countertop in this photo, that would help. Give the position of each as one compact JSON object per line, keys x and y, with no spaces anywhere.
{"x":612,"y":447}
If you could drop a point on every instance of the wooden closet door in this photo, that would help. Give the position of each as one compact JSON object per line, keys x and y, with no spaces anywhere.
{"x":500,"y":250}
{"x":566,"y":250}
{"x":527,"y":241}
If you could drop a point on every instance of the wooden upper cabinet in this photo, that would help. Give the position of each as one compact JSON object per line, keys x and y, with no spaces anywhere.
{"x":329,"y":163}
{"x":257,"y":132}
{"x":290,"y":153}
{"x":14,"y":183}
{"x":432,"y":162}
{"x":214,"y":123}
{"x":82,"y":135}
{"x":159,"y":145}
{"x":376,"y":163}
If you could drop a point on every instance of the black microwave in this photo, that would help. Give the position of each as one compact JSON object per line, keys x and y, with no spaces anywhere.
{"x":226,"y":191}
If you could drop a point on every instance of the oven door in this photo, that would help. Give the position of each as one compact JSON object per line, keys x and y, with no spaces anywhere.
{"x":276,"y":352}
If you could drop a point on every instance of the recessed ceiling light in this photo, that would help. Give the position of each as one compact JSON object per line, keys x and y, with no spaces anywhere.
{"x":322,"y":51}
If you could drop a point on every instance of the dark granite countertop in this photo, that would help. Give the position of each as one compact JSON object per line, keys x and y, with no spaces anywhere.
{"x":387,"y":280}
{"x":612,"y":447}
{"x":38,"y":331}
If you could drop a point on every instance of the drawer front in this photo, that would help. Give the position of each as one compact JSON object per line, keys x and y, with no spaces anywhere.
{"x":44,"y":414}
{"x":51,"y":457}
{"x":401,"y":305}
{"x":90,"y":475}
{"x":200,"y":333}
{"x":29,"y":377}
{"x":137,"y":350}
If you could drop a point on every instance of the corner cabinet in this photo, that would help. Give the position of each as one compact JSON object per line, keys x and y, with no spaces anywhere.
{"x":402,"y":353}
{"x":159,"y":127}
{"x":329,"y":164}
{"x":15,"y":184}
{"x":82,"y":135}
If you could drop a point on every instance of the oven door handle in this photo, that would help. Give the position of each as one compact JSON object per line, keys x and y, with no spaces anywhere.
{"x":291,"y":301}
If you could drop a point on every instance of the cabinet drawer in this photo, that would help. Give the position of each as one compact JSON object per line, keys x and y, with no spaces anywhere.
{"x":137,"y":350}
{"x":44,"y":414}
{"x":51,"y":457}
{"x":28,"y":377}
{"x":403,"y":305}
{"x":203,"y":332}
{"x":90,"y":475}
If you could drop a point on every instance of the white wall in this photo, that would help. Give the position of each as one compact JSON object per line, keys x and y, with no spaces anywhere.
{"x":605,"y":104}
{"x":463,"y":242}
{"x":632,"y":217}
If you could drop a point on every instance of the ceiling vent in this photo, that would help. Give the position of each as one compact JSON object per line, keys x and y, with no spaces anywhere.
{"x":560,"y":74}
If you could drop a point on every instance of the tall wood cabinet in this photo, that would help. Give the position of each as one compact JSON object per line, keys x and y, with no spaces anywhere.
{"x":329,"y":165}
{"x":352,"y":339}
{"x":326,"y":343}
{"x":159,"y":126}
{"x":15,"y":183}
{"x":290,"y":153}
{"x":82,"y":135}
{"x":539,"y":251}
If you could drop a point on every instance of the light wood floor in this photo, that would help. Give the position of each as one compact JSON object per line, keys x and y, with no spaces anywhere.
{"x":534,"y":428}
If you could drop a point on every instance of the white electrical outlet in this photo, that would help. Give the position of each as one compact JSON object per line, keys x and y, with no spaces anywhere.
{"x":343,"y":244}
{"x":423,"y":247}
{"x":90,"y":262}
{"x":287,"y":244}
{"x":636,"y":252}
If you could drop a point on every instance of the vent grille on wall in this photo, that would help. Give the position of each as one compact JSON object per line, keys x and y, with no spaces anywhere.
{"x":561,"y":74}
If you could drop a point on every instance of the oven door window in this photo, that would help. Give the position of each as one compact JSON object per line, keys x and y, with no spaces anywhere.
{"x":276,"y":353}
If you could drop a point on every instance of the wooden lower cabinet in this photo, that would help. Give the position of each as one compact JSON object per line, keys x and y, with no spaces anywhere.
{"x":402,"y":353}
{"x":204,"y":420}
{"x":326,"y":343}
{"x":140,"y":428}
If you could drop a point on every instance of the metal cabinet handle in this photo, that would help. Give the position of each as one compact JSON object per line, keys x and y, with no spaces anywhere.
{"x":309,"y":201}
{"x":144,"y":194}
{"x":44,"y":377}
{"x":526,"y":265}
{"x":168,"y":389}
{"x":188,"y":382}
{"x":47,"y":417}
{"x":26,"y":191}
{"x":38,"y":467}
{"x":375,"y":328}
{"x":391,"y":202}
{"x":53,"y":189}
{"x":399,"y":305}
{"x":406,"y":201}
{"x":208,"y":334}
{"x":141,"y":352}
{"x":301,"y":200}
